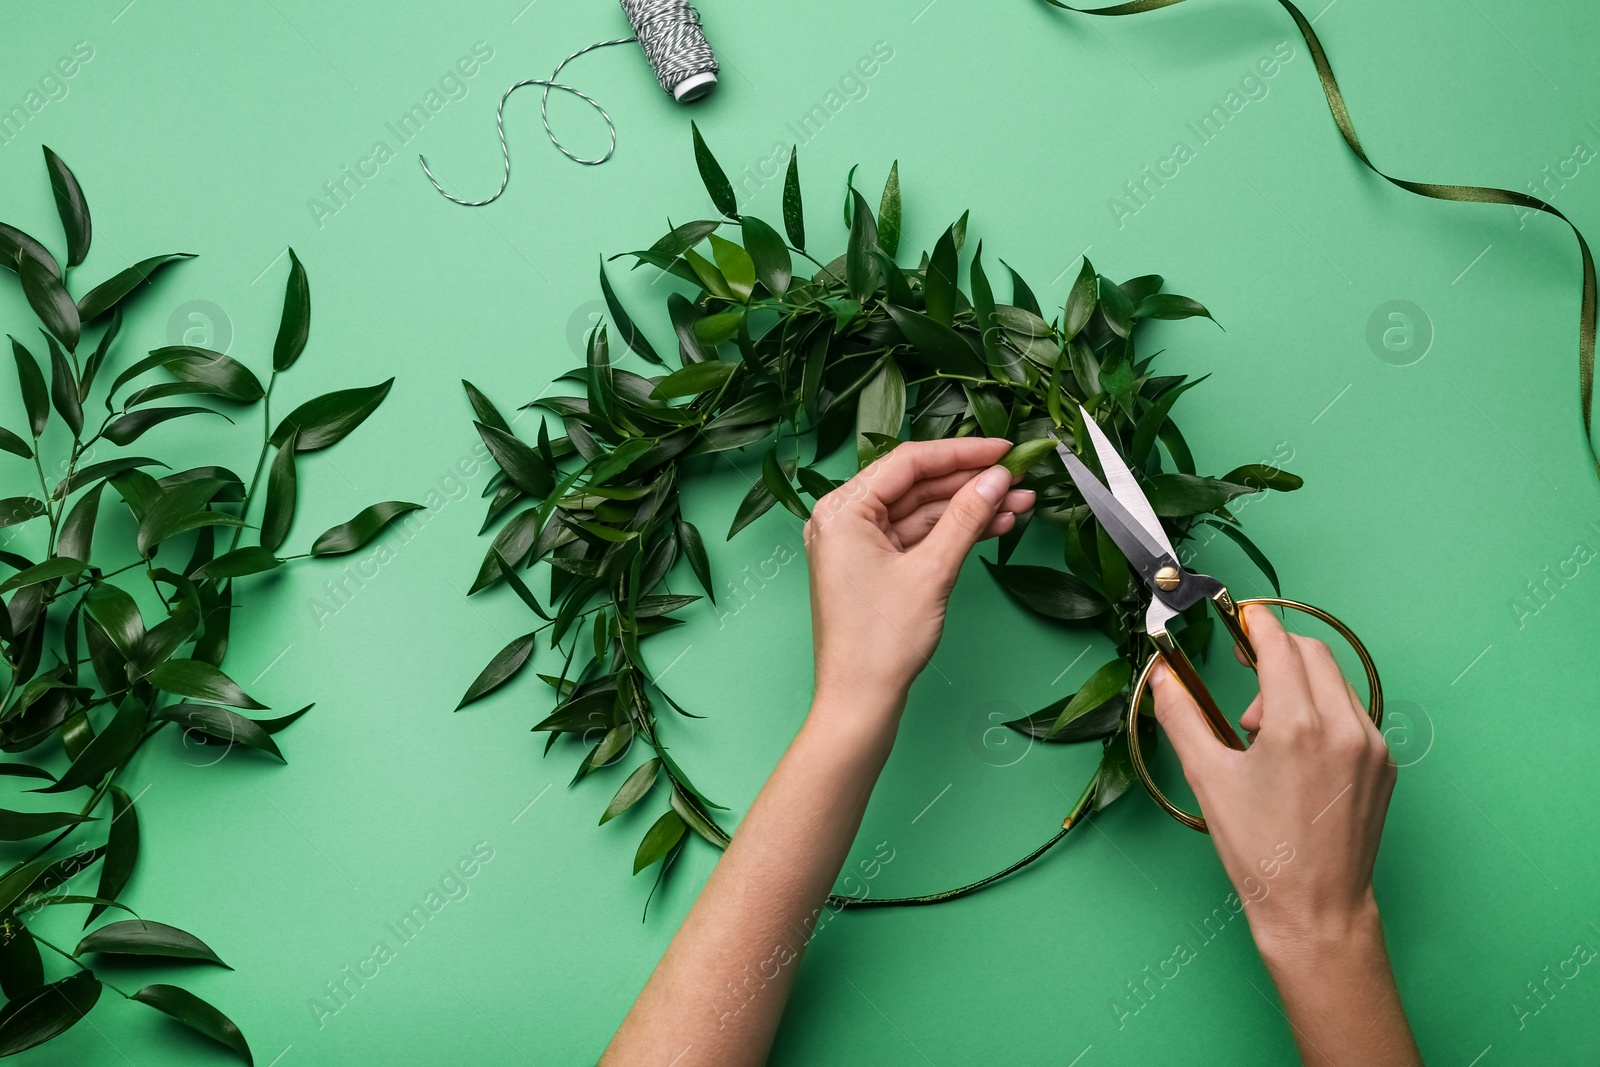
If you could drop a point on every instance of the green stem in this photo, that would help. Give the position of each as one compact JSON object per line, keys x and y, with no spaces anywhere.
{"x":261,"y":460}
{"x":79,"y":963}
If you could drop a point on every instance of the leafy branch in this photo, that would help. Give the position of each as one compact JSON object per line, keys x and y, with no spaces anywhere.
{"x":860,"y":352}
{"x":114,"y":680}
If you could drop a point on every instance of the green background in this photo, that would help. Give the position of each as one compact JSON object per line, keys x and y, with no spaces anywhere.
{"x":1434,"y":492}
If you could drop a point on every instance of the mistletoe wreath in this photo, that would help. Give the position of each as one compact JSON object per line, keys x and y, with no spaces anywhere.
{"x":848,"y":351}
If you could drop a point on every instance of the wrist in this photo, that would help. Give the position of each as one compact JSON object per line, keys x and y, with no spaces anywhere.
{"x":858,"y":710}
{"x":1291,"y":946}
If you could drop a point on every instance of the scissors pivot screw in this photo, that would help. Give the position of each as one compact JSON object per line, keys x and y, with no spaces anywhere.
{"x":1167,"y":579}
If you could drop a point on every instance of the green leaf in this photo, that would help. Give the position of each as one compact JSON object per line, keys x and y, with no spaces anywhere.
{"x":694,"y":549}
{"x":794,"y":218}
{"x":220,"y":724}
{"x":22,"y":825}
{"x":35,"y":397}
{"x":756,"y":503}
{"x":1095,"y":725}
{"x":56,"y":567}
{"x":937,"y":344}
{"x":325,"y":420}
{"x":10,"y":442}
{"x":1023,"y":456}
{"x":939,"y":281}
{"x":349,"y":536}
{"x":694,"y":379}
{"x":1115,"y":773}
{"x":226,"y":375}
{"x":200,"y":681}
{"x":108,"y":469}
{"x":1259,"y":476}
{"x":122,"y":850}
{"x":295,"y":324}
{"x":1180,"y":495}
{"x":108,"y":294}
{"x":282,"y":488}
{"x":716,"y":182}
{"x":1003,"y":361}
{"x":197,"y":1015}
{"x":16,"y":246}
{"x":881,"y":410}
{"x":47,"y":295}
{"x":1170,"y":306}
{"x":47,"y":1013}
{"x":21,"y":969}
{"x":484,"y":408}
{"x":1237,"y":536}
{"x":238,"y":563}
{"x":1080,"y":302}
{"x":19,"y":509}
{"x":663,"y":834}
{"x":178,"y":510}
{"x":521,"y":463}
{"x":636,"y":786}
{"x":1105,"y":683}
{"x":505,"y":664}
{"x":1148,"y":427}
{"x":713,"y":330}
{"x":1115,"y":306}
{"x":98,"y":356}
{"x":768,"y":253}
{"x":125,"y":429}
{"x":64,"y":388}
{"x":988,"y":409}
{"x":737,"y":268}
{"x":1137,"y":289}
{"x":889,"y":213}
{"x":860,"y":269}
{"x":1021,"y":295}
{"x":70,"y":205}
{"x":777,"y":481}
{"x":140,"y":937}
{"x":272,"y":726}
{"x":117,"y":614}
{"x":109,"y":749}
{"x":632,"y":336}
{"x":1048,"y":592}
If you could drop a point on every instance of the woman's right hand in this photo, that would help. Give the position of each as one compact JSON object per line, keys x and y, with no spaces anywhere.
{"x":1296,"y":819}
{"x":1297,"y":816}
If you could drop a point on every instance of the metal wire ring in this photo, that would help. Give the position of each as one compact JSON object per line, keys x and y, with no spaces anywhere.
{"x":1196,"y":822}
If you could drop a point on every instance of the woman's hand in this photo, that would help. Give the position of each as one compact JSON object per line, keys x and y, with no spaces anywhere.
{"x":1296,"y":819}
{"x":884,"y":550}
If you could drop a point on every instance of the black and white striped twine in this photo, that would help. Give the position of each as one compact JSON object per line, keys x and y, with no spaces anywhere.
{"x":673,"y":42}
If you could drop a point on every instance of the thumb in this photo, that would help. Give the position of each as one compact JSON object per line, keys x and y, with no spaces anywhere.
{"x":969,"y":513}
{"x":1184,"y":723}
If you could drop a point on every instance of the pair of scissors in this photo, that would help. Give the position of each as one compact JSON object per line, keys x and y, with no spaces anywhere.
{"x":1123,"y":511}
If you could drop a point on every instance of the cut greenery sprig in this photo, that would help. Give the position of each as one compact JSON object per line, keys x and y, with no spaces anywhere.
{"x":87,"y":680}
{"x":857,"y":351}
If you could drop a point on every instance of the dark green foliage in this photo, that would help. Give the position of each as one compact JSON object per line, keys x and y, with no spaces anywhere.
{"x":88,"y":667}
{"x":793,"y":364}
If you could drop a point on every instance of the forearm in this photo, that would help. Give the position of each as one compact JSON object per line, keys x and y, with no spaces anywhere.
{"x":1341,"y":999}
{"x":719,"y":991}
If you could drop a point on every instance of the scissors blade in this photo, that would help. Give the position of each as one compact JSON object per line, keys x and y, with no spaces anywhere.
{"x":1144,"y":554}
{"x":1122,"y":485}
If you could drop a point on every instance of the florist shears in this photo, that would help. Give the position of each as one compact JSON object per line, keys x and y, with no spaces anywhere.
{"x":1130,"y":521}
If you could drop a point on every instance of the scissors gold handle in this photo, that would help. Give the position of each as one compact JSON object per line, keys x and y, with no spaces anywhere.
{"x":1167,"y":651}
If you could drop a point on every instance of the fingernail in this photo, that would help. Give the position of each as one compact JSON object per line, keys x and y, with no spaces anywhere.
{"x":1032,"y":496}
{"x":993,"y":483}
